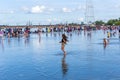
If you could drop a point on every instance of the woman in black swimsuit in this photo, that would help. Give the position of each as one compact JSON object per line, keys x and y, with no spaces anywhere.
{"x":63,"y":43}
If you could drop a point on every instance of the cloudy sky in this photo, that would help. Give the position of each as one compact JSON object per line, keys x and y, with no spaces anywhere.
{"x":14,"y":12}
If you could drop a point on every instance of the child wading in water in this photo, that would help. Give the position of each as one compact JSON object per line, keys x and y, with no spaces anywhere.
{"x":63,"y":43}
{"x":105,"y":42}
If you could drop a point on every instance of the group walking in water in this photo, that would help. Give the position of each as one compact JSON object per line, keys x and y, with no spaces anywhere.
{"x":20,"y":32}
{"x":111,"y":32}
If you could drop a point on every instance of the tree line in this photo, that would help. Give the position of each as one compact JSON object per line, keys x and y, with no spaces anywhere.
{"x":109,"y":22}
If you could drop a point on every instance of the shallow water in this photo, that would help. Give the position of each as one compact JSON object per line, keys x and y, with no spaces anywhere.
{"x":41,"y":58}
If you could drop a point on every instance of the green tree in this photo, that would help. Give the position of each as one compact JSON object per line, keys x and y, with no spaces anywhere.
{"x":117,"y":23}
{"x":99,"y":22}
{"x":119,"y":19}
{"x":111,"y":22}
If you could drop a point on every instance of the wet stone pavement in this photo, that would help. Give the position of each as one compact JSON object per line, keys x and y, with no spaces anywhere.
{"x":41,"y":58}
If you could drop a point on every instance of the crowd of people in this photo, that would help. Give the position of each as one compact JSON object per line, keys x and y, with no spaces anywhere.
{"x":15,"y":32}
{"x":25,"y":32}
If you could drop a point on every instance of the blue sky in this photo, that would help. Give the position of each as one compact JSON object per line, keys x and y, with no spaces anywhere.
{"x":19,"y":12}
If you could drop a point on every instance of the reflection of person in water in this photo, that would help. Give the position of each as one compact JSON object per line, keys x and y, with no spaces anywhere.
{"x":39,"y":35}
{"x":64,"y":66}
{"x":9,"y":41}
{"x":105,"y":46}
{"x":27,"y":41}
{"x":54,"y":34}
{"x":2,"y":43}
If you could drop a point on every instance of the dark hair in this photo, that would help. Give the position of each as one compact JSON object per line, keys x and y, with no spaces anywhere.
{"x":64,"y":37}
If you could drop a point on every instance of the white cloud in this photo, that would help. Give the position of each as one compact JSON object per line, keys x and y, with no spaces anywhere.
{"x":44,"y":9}
{"x":81,"y":7}
{"x":81,"y":19}
{"x":117,"y":6}
{"x":66,"y":10}
{"x":53,"y":20}
{"x":11,"y":12}
{"x":49,"y":20}
{"x":38,"y":9}
{"x":56,"y":19}
{"x":7,"y":12}
{"x":51,"y":9}
{"x":25,"y":8}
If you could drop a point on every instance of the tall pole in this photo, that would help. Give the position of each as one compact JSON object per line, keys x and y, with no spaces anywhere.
{"x":89,"y":12}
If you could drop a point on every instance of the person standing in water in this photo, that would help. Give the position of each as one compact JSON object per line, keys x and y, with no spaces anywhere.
{"x":105,"y":42}
{"x":63,"y":43}
{"x":119,"y":31}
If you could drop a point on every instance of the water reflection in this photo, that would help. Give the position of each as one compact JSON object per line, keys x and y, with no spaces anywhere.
{"x":105,"y":46}
{"x":2,"y":43}
{"x":39,"y":35}
{"x":84,"y":32}
{"x":119,"y":36}
{"x":19,"y":39}
{"x":54,"y":34}
{"x":64,"y":66}
{"x":86,"y":65}
{"x":9,"y":41}
{"x":89,"y":35}
{"x":59,"y":34}
{"x":27,"y":40}
{"x":46,"y":34}
{"x":51,"y":34}
{"x":70,"y":35}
